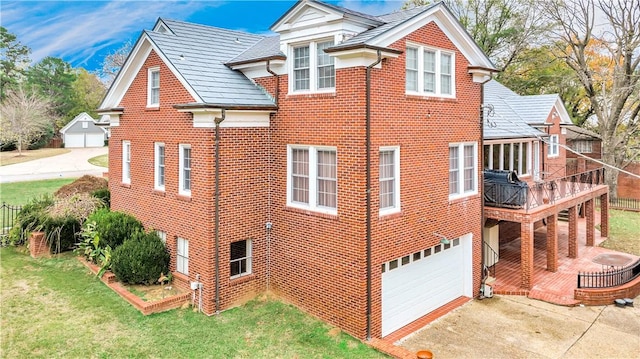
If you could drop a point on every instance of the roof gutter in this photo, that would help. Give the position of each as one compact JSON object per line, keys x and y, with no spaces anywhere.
{"x":368,"y":185}
{"x":195,"y":106}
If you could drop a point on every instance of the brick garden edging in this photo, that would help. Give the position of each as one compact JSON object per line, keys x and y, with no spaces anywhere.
{"x":146,"y":308}
{"x":606,"y":296}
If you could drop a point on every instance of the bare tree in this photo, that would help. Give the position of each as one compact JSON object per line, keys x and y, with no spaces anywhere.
{"x":24,"y":116}
{"x":613,"y":90}
{"x":113,"y":62}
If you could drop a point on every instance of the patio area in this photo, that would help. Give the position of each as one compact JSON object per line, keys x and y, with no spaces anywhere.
{"x":555,"y":287}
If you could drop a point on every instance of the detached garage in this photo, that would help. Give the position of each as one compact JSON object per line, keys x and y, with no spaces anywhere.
{"x":421,"y":282}
{"x":83,"y":132}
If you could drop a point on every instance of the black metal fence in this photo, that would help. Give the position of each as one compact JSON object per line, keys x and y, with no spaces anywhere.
{"x":613,"y":277}
{"x":8,"y":214}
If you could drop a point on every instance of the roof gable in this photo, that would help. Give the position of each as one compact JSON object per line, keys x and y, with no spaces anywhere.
{"x":81,"y":117}
{"x":310,"y":13}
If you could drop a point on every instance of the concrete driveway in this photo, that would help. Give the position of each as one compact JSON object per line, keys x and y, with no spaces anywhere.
{"x":519,"y":327}
{"x":68,"y":165}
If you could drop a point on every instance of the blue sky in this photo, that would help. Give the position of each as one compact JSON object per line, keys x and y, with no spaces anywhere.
{"x":84,"y":32}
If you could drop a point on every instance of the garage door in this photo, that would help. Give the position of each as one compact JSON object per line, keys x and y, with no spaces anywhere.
{"x":419,"y":283}
{"x":83,"y":140}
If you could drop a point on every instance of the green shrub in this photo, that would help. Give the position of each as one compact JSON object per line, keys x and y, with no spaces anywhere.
{"x":61,"y":232}
{"x":141,"y":259}
{"x":114,"y":227}
{"x":104,"y":195}
{"x":90,"y":247}
{"x":31,"y":218}
{"x":43,"y":139}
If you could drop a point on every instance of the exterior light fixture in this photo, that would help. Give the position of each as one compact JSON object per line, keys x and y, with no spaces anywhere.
{"x":443,"y":239}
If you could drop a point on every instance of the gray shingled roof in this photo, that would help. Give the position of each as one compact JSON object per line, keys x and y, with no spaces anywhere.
{"x":269,"y":47}
{"x":205,"y":50}
{"x":504,"y":121}
{"x":534,"y":109}
{"x":574,"y":133}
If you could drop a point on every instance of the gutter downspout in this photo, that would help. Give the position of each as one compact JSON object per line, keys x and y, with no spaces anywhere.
{"x":482,"y":219}
{"x":269,"y":224}
{"x":277,"y":94}
{"x":368,"y":172}
{"x":218,"y":121}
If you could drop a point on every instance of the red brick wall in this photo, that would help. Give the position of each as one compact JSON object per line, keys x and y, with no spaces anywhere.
{"x":629,"y":186}
{"x":321,"y":260}
{"x":242,"y":162}
{"x":555,"y":167}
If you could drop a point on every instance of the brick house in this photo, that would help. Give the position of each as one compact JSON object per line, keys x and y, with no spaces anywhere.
{"x":335,"y":164}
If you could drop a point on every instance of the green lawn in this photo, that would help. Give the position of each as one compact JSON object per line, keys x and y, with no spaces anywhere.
{"x":54,"y":308}
{"x":19,"y":193}
{"x":102,"y":161}
{"x":624,"y":232}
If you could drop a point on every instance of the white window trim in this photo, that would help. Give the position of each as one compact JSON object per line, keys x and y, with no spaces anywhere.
{"x":163,"y":236}
{"x":181,"y":178}
{"x":248,"y":257}
{"x":554,"y":146}
{"x":313,"y":179}
{"x":313,"y":68}
{"x":524,"y":146}
{"x":126,"y":162}
{"x":149,"y":72}
{"x":156,"y":166}
{"x":461,"y":192}
{"x":421,"y":49}
{"x":85,"y":124}
{"x":396,"y":161}
{"x":182,"y":258}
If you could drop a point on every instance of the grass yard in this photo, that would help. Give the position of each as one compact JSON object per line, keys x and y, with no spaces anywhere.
{"x":11,"y":157}
{"x":102,"y":161}
{"x":54,"y":308}
{"x":19,"y":193}
{"x":624,"y":232}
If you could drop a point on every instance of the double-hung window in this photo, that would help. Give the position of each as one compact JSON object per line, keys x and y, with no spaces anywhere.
{"x":159,"y":166}
{"x":184,"y":177}
{"x":126,"y":162}
{"x":389,"y":180}
{"x":153,"y":88}
{"x":430,"y":71}
{"x":182,"y":257}
{"x":463,"y":170}
{"x":312,"y":181}
{"x":554,"y":147}
{"x":240,"y":263}
{"x":313,"y":69}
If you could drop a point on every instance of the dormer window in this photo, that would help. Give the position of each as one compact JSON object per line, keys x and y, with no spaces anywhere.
{"x":153,"y":91}
{"x":313,"y":69}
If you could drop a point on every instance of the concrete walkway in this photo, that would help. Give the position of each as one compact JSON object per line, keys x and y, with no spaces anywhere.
{"x":68,"y":165}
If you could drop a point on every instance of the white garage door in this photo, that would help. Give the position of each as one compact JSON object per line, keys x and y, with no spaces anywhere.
{"x":83,"y":140}
{"x":414,"y":285}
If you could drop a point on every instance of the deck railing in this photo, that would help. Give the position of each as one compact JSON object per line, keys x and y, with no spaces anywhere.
{"x":612,"y":277}
{"x":515,"y":196}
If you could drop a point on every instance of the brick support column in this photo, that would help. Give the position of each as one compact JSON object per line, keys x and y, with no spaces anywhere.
{"x":589,"y":210}
{"x":604,"y":215}
{"x":526,"y":255}
{"x":573,"y":232}
{"x":552,"y":243}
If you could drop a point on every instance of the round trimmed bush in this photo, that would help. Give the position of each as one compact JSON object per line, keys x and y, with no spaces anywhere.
{"x":141,"y":259}
{"x":114,"y":227}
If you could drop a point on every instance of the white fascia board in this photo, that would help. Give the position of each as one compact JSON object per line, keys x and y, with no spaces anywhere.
{"x":562,"y":110}
{"x":205,"y":118}
{"x":82,"y":115}
{"x":132,"y":66}
{"x":259,"y":69}
{"x":288,"y":22}
{"x":359,"y":57}
{"x":480,"y":75}
{"x":449,"y":26}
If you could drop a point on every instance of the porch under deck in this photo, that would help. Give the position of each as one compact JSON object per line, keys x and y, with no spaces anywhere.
{"x":554,"y":287}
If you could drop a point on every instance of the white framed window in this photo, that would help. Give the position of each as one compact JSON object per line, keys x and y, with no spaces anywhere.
{"x":463,"y":169}
{"x":514,"y":156}
{"x":184,"y":177}
{"x":582,"y":146}
{"x":312,"y":68}
{"x":153,"y":87}
{"x":85,"y":124}
{"x":182,"y":256}
{"x":240,"y":259}
{"x":554,"y":148}
{"x":389,"y":180}
{"x":430,"y":71}
{"x":312,"y":180}
{"x":163,"y":237}
{"x":159,"y":151}
{"x":126,"y":162}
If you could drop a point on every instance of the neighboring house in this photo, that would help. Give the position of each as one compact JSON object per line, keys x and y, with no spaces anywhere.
{"x":335,"y":164}
{"x":587,"y":144}
{"x":528,"y":135}
{"x":82,"y":131}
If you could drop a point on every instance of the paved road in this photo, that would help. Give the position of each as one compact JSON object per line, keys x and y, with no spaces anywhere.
{"x":519,"y":327}
{"x":69,"y":165}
